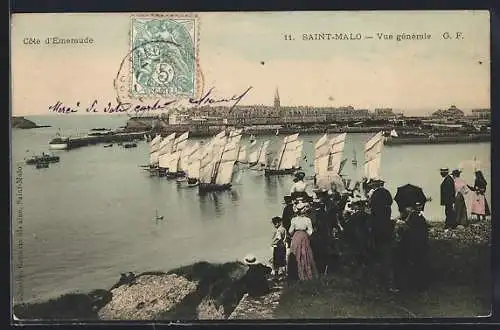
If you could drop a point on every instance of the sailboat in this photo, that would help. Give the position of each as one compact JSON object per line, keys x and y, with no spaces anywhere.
{"x":373,"y":156}
{"x":328,"y":160}
{"x":154,"y":149}
{"x":193,"y":164}
{"x":218,"y":173}
{"x":165,"y":149}
{"x":259,"y":155}
{"x":175,"y":159}
{"x":394,"y":134}
{"x":286,"y":162}
{"x":242,"y":155}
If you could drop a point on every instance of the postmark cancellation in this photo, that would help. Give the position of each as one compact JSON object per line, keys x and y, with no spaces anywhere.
{"x":164,"y":56}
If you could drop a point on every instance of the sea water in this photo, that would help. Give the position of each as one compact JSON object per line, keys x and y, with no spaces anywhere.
{"x":91,"y":216}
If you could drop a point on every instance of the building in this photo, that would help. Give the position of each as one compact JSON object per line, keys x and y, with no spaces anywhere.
{"x":383,"y":113}
{"x":451,"y":112}
{"x":277,"y":100}
{"x":481,"y":113}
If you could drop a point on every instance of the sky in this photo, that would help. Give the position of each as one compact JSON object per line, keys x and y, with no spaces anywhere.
{"x":238,"y":50}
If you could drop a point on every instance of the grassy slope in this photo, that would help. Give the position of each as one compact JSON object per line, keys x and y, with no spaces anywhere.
{"x":460,"y":287}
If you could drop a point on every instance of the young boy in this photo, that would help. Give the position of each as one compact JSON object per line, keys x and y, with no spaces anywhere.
{"x":279,"y":247}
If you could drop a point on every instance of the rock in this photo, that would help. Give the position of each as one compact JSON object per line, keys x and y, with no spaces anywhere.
{"x":147,"y":297}
{"x":208,"y":310}
{"x":21,"y":122}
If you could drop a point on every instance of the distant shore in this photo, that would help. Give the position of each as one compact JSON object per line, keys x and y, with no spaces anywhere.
{"x":23,"y":123}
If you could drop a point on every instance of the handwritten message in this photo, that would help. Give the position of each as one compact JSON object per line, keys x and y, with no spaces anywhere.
{"x":118,"y":106}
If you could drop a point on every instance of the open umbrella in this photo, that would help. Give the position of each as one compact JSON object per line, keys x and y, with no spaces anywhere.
{"x":409,"y":195}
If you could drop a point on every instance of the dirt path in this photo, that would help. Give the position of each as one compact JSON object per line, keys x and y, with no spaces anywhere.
{"x":260,"y":307}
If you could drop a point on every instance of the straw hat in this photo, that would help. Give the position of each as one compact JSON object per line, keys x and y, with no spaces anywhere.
{"x":250,"y":259}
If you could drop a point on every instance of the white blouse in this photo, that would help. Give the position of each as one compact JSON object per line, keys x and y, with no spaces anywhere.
{"x":299,"y":186}
{"x":301,"y":222}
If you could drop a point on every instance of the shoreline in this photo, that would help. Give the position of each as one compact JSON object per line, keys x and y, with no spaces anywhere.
{"x":214,"y":291}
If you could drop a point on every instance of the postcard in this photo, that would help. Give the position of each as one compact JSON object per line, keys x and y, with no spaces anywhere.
{"x":250,"y":165}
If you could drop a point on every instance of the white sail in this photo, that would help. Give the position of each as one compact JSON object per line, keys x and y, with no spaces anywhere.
{"x":289,"y":156}
{"x":263,"y":153}
{"x":206,"y":165}
{"x":242,"y":154}
{"x":224,"y":172}
{"x":192,"y":158}
{"x":253,"y":157}
{"x":181,"y":141}
{"x":166,"y":144}
{"x":156,"y":140}
{"x":235,"y":132}
{"x":172,"y":161}
{"x":298,"y":154}
{"x":285,"y":159}
{"x":373,"y":156}
{"x":394,"y":133}
{"x":153,"y":158}
{"x":336,"y":151}
{"x":321,"y":153}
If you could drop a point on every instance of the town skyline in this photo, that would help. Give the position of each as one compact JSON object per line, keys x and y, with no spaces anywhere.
{"x":238,"y":50}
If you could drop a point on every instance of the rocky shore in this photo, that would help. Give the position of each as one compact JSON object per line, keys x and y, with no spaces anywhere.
{"x":199,"y":291}
{"x":23,"y":123}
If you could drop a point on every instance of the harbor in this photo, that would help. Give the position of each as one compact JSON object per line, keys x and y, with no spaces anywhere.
{"x":68,"y":143}
{"x":125,"y":220}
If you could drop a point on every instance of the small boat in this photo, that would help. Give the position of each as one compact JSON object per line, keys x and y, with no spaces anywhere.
{"x":192,"y":182}
{"x":252,"y":139}
{"x":108,"y":145}
{"x":59,"y":143}
{"x":158,"y":217}
{"x":216,"y":173}
{"x":130,"y":145}
{"x":288,"y":157}
{"x":43,"y":158}
{"x":42,"y":165}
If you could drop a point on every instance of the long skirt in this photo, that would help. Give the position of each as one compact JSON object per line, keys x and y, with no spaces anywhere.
{"x":478,"y":204}
{"x":302,"y":257}
{"x":461,"y":210}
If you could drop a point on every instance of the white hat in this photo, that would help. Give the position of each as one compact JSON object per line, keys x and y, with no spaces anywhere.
{"x":250,"y":259}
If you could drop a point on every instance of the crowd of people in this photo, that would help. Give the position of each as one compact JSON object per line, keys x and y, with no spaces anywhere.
{"x":464,"y":204}
{"x":355,"y":226}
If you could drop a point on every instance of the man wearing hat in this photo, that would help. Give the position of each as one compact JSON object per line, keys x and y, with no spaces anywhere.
{"x":448,"y":198}
{"x":382,"y":226}
{"x":380,"y":205}
{"x":255,"y":279}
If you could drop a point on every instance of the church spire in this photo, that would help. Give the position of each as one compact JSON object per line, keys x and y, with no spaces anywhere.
{"x":276,"y":99}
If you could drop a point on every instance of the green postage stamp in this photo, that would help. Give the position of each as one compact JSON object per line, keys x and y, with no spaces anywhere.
{"x":163,"y":56}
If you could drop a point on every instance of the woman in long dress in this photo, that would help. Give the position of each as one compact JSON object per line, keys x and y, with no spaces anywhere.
{"x":479,"y":206}
{"x":462,"y":199}
{"x":301,"y":262}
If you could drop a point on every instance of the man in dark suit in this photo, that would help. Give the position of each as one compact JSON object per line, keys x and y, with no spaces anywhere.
{"x":380,"y":206}
{"x":382,"y":229}
{"x":448,"y":199}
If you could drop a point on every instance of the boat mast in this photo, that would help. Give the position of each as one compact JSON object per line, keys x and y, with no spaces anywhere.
{"x":217,"y":165}
{"x":282,"y":153}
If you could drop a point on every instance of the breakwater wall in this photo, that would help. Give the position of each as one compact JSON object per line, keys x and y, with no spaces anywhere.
{"x":77,"y":142}
{"x":438,"y":139}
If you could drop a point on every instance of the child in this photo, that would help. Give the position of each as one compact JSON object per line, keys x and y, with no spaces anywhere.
{"x":279,"y":247}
